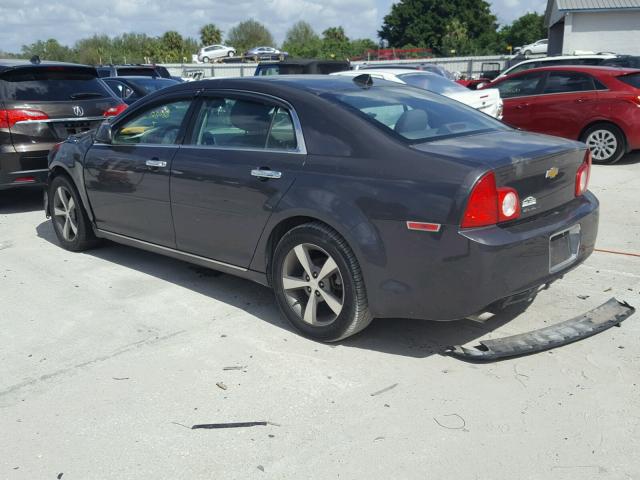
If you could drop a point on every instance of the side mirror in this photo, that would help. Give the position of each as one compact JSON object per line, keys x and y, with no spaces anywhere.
{"x":104,"y":133}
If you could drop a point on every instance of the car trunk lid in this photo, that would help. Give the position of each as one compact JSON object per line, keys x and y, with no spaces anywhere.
{"x":541,"y":168}
{"x":487,"y":101}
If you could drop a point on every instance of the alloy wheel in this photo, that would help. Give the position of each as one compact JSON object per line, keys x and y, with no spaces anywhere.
{"x":313,"y":284}
{"x":65,"y":213}
{"x":603,"y":144}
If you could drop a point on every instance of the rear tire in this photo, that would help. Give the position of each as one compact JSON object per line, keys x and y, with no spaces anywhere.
{"x":606,"y":142}
{"x":69,"y":218}
{"x":318,"y":283}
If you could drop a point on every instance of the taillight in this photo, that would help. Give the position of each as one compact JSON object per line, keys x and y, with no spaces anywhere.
{"x":583,"y":174}
{"x":489,"y":205}
{"x":113,"y":111}
{"x":8,"y":118}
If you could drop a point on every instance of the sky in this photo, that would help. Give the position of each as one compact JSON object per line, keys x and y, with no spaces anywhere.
{"x":25,"y":21}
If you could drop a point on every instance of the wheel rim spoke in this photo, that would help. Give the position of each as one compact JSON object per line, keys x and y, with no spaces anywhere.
{"x":58,"y":212}
{"x":303,"y":257}
{"x":327,"y":269}
{"x":66,"y":228}
{"x":311,"y":310}
{"x":334,"y":304}
{"x":292,"y":283}
{"x":63,"y":200}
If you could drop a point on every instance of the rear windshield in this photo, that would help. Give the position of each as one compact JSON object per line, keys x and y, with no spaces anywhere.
{"x":150,"y":85}
{"x":432,"y":82}
{"x":415,"y":115}
{"x":632,"y":79}
{"x":138,"y":72}
{"x":51,"y":85}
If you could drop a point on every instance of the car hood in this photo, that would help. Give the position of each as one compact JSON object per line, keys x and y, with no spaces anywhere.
{"x":498,"y":148}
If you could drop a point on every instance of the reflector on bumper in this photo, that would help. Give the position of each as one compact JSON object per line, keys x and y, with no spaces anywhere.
{"x":605,"y":316}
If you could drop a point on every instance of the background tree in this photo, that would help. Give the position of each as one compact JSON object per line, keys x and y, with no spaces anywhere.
{"x":302,"y":41}
{"x":524,"y":30}
{"x":360,"y":46}
{"x":249,"y":34}
{"x":335,"y":44}
{"x":49,"y":50}
{"x":426,"y":22}
{"x":210,"y":34}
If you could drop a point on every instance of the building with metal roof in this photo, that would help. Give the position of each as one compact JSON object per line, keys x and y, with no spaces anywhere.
{"x":594,"y":26}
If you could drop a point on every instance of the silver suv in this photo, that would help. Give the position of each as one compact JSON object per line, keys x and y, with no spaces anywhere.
{"x":214,"y":52}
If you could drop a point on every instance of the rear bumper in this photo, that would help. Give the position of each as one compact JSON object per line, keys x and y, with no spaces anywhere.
{"x":19,"y":169}
{"x":452,"y":275}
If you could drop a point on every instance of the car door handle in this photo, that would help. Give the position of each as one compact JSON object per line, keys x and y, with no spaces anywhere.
{"x":522,"y":106}
{"x":155,"y":163}
{"x":265,"y":173}
{"x":582,"y":100}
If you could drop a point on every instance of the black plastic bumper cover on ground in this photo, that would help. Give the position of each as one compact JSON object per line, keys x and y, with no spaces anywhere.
{"x":607,"y":315}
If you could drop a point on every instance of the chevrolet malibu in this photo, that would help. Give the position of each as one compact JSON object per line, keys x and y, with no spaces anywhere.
{"x":352,"y":198}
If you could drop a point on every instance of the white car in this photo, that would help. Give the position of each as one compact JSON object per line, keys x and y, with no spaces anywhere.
{"x":487,"y":101}
{"x":537,"y":47}
{"x":595,"y":59}
{"x":214,"y":52}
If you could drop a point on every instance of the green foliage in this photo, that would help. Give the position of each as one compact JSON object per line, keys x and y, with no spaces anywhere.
{"x":50,"y":50}
{"x":441,"y":26}
{"x":210,"y":35}
{"x":335,"y":44}
{"x":249,"y":34}
{"x":302,"y":41}
{"x":524,"y":30}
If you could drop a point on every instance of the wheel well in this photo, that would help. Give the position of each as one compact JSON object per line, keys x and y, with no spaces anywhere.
{"x":279,"y":231}
{"x":604,"y":122}
{"x":57,"y":171}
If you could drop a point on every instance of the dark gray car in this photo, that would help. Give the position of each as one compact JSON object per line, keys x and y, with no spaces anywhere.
{"x":42,"y":104}
{"x":352,"y":198}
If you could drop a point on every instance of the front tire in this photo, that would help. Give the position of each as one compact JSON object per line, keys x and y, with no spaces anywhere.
{"x":231,"y":54}
{"x":318,"y":283}
{"x":69,"y":218}
{"x":606,"y":142}
{"x":205,"y":59}
{"x":527,"y":52}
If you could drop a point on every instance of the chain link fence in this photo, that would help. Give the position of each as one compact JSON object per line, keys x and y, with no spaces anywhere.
{"x":467,"y":66}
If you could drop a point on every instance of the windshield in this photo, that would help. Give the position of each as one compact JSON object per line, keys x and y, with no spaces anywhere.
{"x":432,"y":82}
{"x":415,"y":115}
{"x":51,"y":84}
{"x":150,"y":85}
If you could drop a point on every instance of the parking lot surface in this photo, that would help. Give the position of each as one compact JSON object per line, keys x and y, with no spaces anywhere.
{"x":110,"y":356}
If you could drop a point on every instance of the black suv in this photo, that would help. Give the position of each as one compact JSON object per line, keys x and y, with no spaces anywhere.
{"x":133,"y":70}
{"x":42,"y":104}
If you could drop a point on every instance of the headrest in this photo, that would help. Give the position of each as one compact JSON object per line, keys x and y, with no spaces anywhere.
{"x":412,"y":121}
{"x":250,"y":116}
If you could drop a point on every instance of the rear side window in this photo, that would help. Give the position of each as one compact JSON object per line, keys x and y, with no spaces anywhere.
{"x":632,"y":79}
{"x":415,"y":115}
{"x":567,"y":82}
{"x":53,"y":84}
{"x":248,"y":124}
{"x":137,"y":72}
{"x":520,"y":86}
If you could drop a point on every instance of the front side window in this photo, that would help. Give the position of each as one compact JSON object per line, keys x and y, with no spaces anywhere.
{"x":414,"y":115}
{"x":567,"y":82}
{"x":241,"y":123}
{"x":119,"y":88}
{"x":157,"y":126}
{"x":521,"y":86}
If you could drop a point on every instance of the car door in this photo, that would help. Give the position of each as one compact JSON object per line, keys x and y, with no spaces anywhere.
{"x":127,"y":181}
{"x":519,"y":94}
{"x":241,"y":154}
{"x":567,"y":103}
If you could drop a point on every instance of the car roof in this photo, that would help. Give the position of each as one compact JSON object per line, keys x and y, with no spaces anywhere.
{"x":9,"y":63}
{"x":566,"y":57}
{"x":275,"y":84}
{"x":594,"y":69}
{"x":392,"y":71}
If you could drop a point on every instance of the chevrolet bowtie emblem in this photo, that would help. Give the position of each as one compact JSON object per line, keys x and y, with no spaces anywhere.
{"x":552,"y":173}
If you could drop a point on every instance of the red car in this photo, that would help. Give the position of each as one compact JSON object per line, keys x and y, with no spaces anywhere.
{"x":597,"y":105}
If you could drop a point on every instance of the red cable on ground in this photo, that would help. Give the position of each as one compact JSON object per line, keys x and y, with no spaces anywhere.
{"x":615,"y":252}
